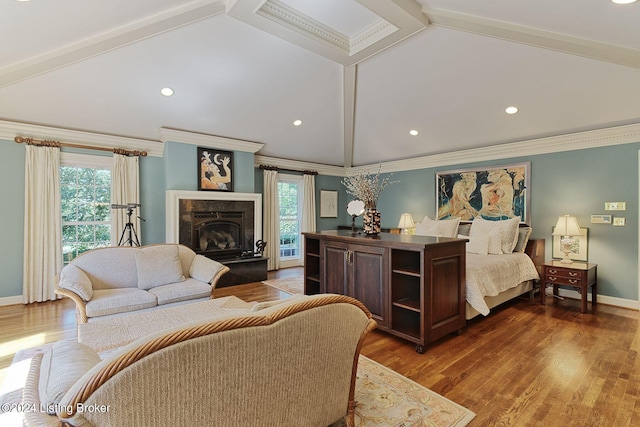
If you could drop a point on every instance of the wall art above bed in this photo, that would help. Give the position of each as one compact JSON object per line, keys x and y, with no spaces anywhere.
{"x":493,"y":193}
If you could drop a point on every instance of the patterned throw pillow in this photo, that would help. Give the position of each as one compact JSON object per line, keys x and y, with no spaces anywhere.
{"x":438,"y":228}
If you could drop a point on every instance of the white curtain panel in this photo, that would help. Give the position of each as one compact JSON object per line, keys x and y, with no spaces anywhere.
{"x":308,"y":206}
{"x":42,"y":224}
{"x":271,"y":219}
{"x":125,"y":189}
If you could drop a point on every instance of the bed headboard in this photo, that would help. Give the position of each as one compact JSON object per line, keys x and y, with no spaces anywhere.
{"x":535,"y":250}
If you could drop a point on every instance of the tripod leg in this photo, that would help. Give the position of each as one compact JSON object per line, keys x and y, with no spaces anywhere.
{"x":136,"y":241}
{"x":121,"y":241}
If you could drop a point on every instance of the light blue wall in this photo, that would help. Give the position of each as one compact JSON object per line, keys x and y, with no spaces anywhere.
{"x":11,"y":217}
{"x":176,"y":170}
{"x":574,"y":182}
{"x":577,"y":182}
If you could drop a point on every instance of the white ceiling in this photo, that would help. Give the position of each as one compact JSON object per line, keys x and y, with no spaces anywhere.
{"x":360,"y":74}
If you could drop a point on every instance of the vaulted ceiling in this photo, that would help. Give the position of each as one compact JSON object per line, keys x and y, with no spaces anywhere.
{"x":359,"y":74}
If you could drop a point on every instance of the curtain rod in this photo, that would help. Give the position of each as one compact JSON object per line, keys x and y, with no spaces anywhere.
{"x":275,"y":168}
{"x":50,"y":143}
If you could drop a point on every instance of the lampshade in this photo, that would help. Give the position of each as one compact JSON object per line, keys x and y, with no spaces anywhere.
{"x":567,"y":225}
{"x":406,"y":222}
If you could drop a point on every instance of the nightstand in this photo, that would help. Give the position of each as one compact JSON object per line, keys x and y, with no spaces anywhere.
{"x":579,"y":275}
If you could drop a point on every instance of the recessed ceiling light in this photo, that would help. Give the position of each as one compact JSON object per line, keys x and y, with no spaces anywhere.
{"x":297,"y":122}
{"x":624,"y":1}
{"x":511,"y":110}
{"x":167,"y":91}
{"x":413,"y":132}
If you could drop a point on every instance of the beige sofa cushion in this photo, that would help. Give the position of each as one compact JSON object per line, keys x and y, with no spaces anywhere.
{"x":158,"y":265}
{"x":74,"y":279}
{"x":181,"y":291}
{"x":61,"y":367}
{"x":204,"y":269}
{"x":114,"y":301}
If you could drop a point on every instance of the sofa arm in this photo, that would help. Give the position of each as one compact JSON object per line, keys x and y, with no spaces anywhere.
{"x":207,"y":270}
{"x":31,"y":398}
{"x":81,"y":305}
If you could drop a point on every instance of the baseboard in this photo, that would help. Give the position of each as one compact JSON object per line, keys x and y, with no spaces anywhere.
{"x":614,"y":301}
{"x":11,"y":300}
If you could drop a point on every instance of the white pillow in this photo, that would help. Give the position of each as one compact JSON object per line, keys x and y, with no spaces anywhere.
{"x":478,"y":244}
{"x":506,"y":230}
{"x":74,"y":279}
{"x":61,"y":367}
{"x":158,"y":265}
{"x":204,"y":269}
{"x":494,"y":246}
{"x":438,"y":228}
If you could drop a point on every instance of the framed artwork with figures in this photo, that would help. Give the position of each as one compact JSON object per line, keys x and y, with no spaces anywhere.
{"x":492,"y":192}
{"x":215,"y":170}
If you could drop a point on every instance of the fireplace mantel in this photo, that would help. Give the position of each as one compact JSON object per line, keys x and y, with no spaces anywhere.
{"x":173,"y":198}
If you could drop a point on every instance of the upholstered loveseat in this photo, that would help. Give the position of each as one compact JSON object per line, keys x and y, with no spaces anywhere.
{"x":115,"y":280}
{"x":292,"y":364}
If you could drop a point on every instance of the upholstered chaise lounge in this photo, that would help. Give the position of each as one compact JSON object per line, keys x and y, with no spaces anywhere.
{"x":115,"y":280}
{"x":290,"y":365}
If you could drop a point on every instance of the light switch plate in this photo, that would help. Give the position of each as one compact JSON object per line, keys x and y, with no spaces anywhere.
{"x":600,"y":219}
{"x":615,"y":206}
{"x":619,"y":221}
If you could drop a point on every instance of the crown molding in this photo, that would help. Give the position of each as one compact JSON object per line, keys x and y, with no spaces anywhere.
{"x":606,"y":137}
{"x":535,"y":37}
{"x":9,"y":130}
{"x":298,"y":165}
{"x":210,"y":141}
{"x":399,"y":19}
{"x":110,"y":40}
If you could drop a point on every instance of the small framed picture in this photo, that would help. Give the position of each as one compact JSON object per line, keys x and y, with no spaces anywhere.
{"x":215,"y":170}
{"x":578,"y":247}
{"x":328,"y":204}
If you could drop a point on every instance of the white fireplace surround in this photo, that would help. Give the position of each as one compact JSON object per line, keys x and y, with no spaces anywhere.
{"x":173,"y":198}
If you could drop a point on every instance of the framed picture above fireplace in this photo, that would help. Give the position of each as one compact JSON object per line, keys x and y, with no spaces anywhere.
{"x":215,"y":170}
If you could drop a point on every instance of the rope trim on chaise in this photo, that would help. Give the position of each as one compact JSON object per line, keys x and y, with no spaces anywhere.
{"x":127,"y":359}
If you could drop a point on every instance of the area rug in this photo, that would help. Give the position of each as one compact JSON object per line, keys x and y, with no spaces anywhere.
{"x":290,"y":285}
{"x":383,"y":397}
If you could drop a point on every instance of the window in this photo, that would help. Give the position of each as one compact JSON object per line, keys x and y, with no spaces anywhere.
{"x":290,"y":201}
{"x":85,"y":192}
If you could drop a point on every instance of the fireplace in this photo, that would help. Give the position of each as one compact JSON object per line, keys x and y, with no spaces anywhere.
{"x":218,"y":225}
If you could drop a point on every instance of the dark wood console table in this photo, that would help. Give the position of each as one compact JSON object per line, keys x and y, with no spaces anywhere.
{"x":243,"y":270}
{"x":414,"y":286}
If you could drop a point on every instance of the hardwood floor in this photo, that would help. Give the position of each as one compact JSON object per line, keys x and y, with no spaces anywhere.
{"x":524,"y":365}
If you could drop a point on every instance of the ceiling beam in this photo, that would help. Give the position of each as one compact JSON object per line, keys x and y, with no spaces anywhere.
{"x":535,"y":37}
{"x":111,"y":40}
{"x":349,"y":97}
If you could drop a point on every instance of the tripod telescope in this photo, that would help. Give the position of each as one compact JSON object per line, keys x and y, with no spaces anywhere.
{"x":128,"y":230}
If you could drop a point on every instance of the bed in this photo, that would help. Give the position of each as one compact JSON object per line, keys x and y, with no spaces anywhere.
{"x":502,"y":262}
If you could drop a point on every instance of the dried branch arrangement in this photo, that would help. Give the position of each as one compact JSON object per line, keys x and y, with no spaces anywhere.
{"x":367,"y":187}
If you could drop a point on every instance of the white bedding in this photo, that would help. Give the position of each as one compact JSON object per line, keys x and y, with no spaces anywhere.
{"x":488,"y":275}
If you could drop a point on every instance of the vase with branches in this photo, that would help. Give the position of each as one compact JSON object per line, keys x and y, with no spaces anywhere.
{"x":367,"y":187}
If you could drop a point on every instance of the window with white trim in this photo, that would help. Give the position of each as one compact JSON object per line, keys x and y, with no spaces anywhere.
{"x":290,"y":202}
{"x":85,"y":193}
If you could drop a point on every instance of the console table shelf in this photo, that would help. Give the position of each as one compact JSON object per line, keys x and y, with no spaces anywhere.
{"x":414,"y":286}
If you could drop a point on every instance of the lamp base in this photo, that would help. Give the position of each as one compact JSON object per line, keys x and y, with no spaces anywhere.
{"x":566,"y":242}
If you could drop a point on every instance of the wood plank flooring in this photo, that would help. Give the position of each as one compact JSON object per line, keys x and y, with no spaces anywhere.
{"x":524,"y":365}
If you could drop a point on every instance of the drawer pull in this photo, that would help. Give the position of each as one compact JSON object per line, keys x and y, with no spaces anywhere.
{"x":551,"y":278}
{"x":573,"y":274}
{"x":573,"y":281}
{"x":553,"y":271}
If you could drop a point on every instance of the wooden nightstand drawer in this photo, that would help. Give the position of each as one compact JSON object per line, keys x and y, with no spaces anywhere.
{"x":561,"y":280}
{"x":578,"y":275}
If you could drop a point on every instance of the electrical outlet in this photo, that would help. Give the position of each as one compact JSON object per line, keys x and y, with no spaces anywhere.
{"x":619,"y":221}
{"x":615,"y":206}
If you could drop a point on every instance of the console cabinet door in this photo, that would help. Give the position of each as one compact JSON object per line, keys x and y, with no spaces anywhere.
{"x":335,"y":274}
{"x":369,"y":277}
{"x":358,"y":271}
